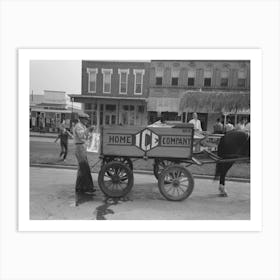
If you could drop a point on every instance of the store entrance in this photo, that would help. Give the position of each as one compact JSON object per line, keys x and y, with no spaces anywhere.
{"x":110,"y":114}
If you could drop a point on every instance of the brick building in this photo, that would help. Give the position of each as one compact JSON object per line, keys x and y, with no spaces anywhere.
{"x":115,"y":92}
{"x":169,"y":80}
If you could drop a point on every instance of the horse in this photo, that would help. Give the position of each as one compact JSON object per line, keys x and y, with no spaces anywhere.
{"x":233,"y":144}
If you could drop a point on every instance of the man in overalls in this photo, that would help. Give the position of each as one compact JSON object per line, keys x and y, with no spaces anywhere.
{"x":84,"y":183}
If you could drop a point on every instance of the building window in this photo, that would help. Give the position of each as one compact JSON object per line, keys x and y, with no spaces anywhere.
{"x":91,"y":80}
{"x":159,"y":76}
{"x":107,"y":80}
{"x":138,"y":81}
{"x":190,"y":82}
{"x":224,"y":78}
{"x":128,"y":115}
{"x":191,"y":78}
{"x":241,"y":83}
{"x":88,"y":106}
{"x":224,"y":82}
{"x":207,"y":78}
{"x":159,"y":81}
{"x":175,"y":77}
{"x":123,"y":73}
{"x":175,"y":81}
{"x":207,"y":82}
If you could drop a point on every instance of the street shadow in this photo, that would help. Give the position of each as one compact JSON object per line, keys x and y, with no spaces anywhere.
{"x":81,"y":198}
{"x":103,"y":210}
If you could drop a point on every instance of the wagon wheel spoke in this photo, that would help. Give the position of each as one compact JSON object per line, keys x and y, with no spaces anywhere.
{"x":177,"y":189}
{"x":183,"y":180}
{"x":108,"y":184}
{"x":186,"y":185}
{"x":181,"y":189}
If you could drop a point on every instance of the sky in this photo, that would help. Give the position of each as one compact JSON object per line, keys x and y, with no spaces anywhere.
{"x":60,"y":75}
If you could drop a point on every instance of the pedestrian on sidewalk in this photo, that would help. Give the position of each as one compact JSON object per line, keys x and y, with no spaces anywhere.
{"x":84,"y":182}
{"x":63,"y":136}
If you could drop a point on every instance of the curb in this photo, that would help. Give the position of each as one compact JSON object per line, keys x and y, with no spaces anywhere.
{"x":43,"y":136}
{"x":145,"y":172}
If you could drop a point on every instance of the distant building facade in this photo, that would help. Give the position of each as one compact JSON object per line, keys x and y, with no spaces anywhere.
{"x":170,"y":79}
{"x":49,"y":109}
{"x":115,"y":92}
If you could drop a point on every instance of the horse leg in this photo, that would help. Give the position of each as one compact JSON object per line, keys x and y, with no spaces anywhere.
{"x":224,"y":169}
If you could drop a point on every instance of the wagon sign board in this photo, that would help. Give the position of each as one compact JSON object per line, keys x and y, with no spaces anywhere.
{"x":147,"y":142}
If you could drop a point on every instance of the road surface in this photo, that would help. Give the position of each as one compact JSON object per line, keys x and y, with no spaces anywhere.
{"x":52,"y":196}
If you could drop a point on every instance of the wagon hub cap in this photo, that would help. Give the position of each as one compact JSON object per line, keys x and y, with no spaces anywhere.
{"x":115,"y":179}
{"x":176,"y":183}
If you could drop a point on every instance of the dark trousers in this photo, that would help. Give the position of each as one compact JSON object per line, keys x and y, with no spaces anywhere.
{"x":64,"y":149}
{"x":84,"y":180}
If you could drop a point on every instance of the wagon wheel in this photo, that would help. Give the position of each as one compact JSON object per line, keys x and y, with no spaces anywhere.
{"x":115,"y":179}
{"x":175,"y":183}
{"x":127,"y":161}
{"x":161,"y":164}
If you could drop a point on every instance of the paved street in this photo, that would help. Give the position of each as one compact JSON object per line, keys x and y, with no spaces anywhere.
{"x":52,"y":196}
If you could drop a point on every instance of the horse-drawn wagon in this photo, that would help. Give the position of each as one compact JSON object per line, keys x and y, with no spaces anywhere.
{"x":171,"y":148}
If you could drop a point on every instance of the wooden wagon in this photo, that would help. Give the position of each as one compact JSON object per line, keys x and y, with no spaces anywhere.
{"x":119,"y":145}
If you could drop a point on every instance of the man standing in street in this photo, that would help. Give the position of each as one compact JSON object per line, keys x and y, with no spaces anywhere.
{"x":196,"y":122}
{"x":84,"y":183}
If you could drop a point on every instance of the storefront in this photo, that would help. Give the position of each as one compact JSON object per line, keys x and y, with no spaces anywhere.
{"x":114,"y":111}
{"x":48,"y":110}
{"x":163,"y":104}
{"x":49,"y":120}
{"x":210,"y":106}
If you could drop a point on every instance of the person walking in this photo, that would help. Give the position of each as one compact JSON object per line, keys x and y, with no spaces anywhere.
{"x":63,"y":136}
{"x":84,"y":182}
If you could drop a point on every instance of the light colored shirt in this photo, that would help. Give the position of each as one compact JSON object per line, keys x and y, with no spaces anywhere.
{"x":229,"y":127}
{"x":248,"y":127}
{"x":80,"y":133}
{"x":196,"y":123}
{"x":240,"y":126}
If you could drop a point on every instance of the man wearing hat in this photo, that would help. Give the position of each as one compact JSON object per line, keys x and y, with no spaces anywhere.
{"x":84,"y":183}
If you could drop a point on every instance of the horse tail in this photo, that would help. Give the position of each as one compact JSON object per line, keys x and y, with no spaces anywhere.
{"x":220,"y":154}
